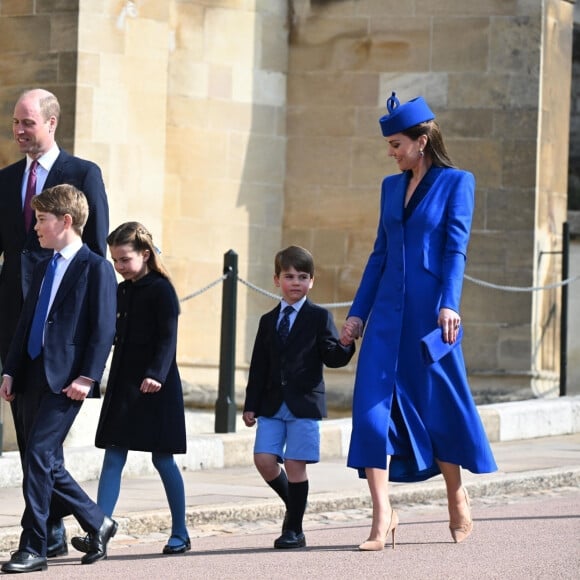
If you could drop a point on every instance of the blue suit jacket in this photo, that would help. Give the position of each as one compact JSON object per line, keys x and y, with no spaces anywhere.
{"x":80,"y":326}
{"x":292,"y":372}
{"x":21,"y":250}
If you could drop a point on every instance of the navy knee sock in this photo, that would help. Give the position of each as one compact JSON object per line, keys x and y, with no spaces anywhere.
{"x":297,"y":498}
{"x":280,"y":486}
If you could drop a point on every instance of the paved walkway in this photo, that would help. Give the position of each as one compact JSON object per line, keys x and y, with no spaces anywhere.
{"x":231,"y":497}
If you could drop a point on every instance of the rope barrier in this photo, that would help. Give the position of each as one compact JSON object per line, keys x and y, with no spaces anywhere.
{"x":483,"y":283}
{"x":522,"y":288}
{"x":204,"y":289}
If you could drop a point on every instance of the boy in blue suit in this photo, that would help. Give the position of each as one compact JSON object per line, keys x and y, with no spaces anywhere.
{"x":55,"y":361}
{"x":285,"y":391}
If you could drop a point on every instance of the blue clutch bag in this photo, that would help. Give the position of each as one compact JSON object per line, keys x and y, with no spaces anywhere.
{"x":434,"y":349}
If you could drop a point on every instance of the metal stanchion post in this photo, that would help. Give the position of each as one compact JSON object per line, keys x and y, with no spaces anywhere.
{"x":564,"y":316}
{"x":225,"y":408}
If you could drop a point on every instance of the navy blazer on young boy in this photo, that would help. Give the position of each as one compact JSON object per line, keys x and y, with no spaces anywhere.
{"x":80,"y":325}
{"x":292,"y":372}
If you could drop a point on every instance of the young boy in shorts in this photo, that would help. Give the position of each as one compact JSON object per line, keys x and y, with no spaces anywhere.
{"x":285,"y":391}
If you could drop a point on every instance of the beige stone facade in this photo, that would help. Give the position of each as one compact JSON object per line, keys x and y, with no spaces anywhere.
{"x":252,"y":124}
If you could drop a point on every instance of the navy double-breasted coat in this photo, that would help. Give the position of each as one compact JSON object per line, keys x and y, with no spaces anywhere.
{"x":145,"y":346}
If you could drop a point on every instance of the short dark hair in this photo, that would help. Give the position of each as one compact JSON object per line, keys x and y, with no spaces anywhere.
{"x":294,"y":257}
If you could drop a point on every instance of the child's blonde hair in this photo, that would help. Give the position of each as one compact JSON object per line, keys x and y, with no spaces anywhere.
{"x":64,"y":199}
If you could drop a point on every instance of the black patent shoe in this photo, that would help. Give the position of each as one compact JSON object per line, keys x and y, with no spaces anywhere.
{"x":184,"y":546}
{"x":290,"y":539}
{"x":98,"y":541}
{"x":23,"y":561}
{"x":81,"y":543}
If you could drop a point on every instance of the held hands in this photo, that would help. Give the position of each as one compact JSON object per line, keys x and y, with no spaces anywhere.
{"x":351,"y":330}
{"x":6,"y":389}
{"x":150,"y":386}
{"x":249,"y":418}
{"x":449,"y":322}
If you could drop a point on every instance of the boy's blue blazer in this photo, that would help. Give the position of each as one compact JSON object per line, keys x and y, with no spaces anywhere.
{"x":80,"y":326}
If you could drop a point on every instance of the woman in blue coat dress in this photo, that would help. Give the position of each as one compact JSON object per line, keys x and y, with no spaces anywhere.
{"x":413,"y":417}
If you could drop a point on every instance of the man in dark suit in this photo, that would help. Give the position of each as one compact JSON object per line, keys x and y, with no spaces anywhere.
{"x":35,"y":120}
{"x":56,"y":360}
{"x":285,"y":390}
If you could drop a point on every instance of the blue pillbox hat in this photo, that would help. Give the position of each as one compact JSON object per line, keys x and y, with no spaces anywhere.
{"x":401,"y":117}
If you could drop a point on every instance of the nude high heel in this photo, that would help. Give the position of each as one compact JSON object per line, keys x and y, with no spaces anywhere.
{"x":460,"y":532}
{"x":377,"y":545}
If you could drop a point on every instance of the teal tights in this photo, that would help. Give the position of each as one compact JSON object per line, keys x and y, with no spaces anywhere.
{"x":110,"y":486}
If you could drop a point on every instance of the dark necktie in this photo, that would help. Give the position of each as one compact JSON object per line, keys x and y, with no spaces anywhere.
{"x":37,"y":327}
{"x":30,"y":193}
{"x":284,"y":326}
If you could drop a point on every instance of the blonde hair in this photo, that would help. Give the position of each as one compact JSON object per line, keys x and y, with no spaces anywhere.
{"x":64,"y":199}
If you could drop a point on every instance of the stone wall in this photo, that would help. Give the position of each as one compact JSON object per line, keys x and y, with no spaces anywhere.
{"x":494,"y":72}
{"x":38,"y":47}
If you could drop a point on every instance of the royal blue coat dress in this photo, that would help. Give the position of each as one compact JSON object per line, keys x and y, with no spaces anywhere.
{"x":403,"y":407}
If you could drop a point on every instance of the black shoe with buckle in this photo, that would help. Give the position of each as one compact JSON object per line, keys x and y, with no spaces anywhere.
{"x":183,"y":546}
{"x":23,"y":561}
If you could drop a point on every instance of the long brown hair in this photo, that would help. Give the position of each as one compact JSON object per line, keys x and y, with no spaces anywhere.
{"x":435,"y":147}
{"x":139,"y":238}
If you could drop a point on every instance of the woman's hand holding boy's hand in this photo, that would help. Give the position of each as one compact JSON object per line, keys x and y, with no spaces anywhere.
{"x":351,"y":330}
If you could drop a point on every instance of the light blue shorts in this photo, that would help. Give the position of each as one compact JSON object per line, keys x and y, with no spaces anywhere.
{"x":288,"y":437}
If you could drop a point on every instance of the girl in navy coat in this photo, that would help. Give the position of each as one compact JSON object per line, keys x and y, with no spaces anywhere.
{"x":143,"y":405}
{"x":414,"y":419}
